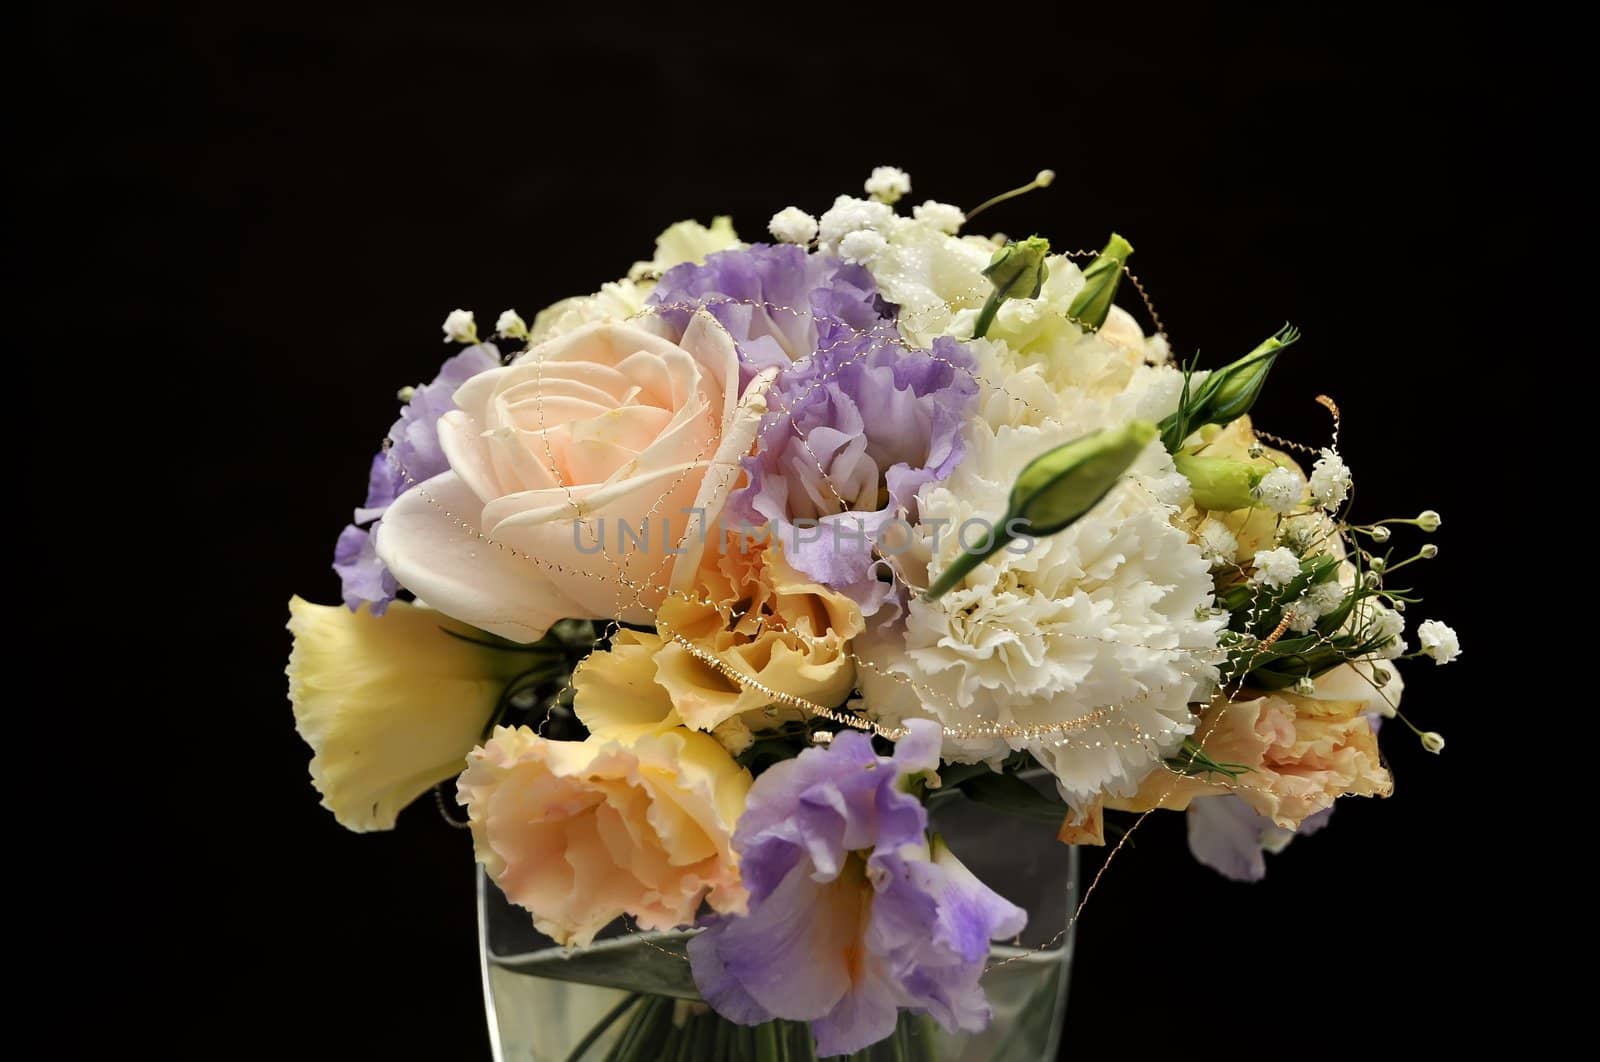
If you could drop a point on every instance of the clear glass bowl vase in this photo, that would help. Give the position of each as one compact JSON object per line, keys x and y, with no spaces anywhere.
{"x":546,"y":1003}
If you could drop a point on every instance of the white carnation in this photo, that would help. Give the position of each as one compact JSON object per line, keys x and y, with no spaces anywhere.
{"x":793,"y":225}
{"x":1280,"y":490}
{"x":1275,"y":567}
{"x":888,"y":184}
{"x":1108,"y":622}
{"x":942,"y":216}
{"x":1330,"y":480}
{"x":1439,"y":641}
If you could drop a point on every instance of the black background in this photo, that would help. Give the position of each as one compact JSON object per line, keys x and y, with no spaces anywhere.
{"x":264,"y":215}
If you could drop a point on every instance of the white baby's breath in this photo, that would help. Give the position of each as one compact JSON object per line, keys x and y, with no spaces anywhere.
{"x":888,"y":184}
{"x":1330,"y":480}
{"x":1217,"y":544}
{"x":862,"y":247}
{"x":793,"y":225}
{"x":511,"y":324}
{"x":1438,"y":641}
{"x":1275,"y":567}
{"x":942,"y":216}
{"x":1280,"y":490}
{"x":848,"y":215}
{"x":460,"y":327}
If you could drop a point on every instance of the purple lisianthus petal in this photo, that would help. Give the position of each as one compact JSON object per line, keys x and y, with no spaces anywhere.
{"x":770,"y":299}
{"x":852,"y":914}
{"x":1232,"y":838}
{"x":413,"y":456}
{"x":852,"y":435}
{"x":362,"y":575}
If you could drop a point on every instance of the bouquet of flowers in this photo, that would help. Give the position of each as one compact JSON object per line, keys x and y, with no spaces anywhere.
{"x":702,"y":585}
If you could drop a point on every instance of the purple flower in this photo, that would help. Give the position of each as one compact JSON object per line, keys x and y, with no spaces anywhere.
{"x":852,"y":913}
{"x":852,"y":435}
{"x":414,"y":456}
{"x":1232,"y":838}
{"x":771,"y":300}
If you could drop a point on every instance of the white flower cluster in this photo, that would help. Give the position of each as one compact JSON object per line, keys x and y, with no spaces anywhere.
{"x":1330,"y":480}
{"x":1280,"y":490}
{"x":793,"y":225}
{"x":1275,"y":567}
{"x":1438,"y":641}
{"x":888,"y":184}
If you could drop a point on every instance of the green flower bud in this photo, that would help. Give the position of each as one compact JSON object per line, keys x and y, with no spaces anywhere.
{"x":1428,"y":551}
{"x":1234,"y":390}
{"x":1429,"y":521}
{"x":1056,"y":489}
{"x":1221,"y":484}
{"x":1228,"y":393}
{"x":1017,"y":271}
{"x":1100,"y":282}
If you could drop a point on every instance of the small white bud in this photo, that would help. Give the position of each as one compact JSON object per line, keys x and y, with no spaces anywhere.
{"x":1429,"y":520}
{"x":1378,"y":564}
{"x":888,"y":184}
{"x":460,"y":327}
{"x":511,"y":324}
{"x":1433,"y":741}
{"x":1379,"y":534}
{"x":1429,"y":551}
{"x":1304,"y":686}
{"x":1045,"y":179}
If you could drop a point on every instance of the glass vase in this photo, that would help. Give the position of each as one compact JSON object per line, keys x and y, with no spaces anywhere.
{"x":546,"y":1003}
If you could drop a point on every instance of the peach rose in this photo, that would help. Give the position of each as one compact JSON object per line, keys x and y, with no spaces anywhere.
{"x":758,"y":615}
{"x":609,"y":425}
{"x":582,"y":832}
{"x":1302,"y":753}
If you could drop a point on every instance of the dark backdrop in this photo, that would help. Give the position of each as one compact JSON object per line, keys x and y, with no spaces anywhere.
{"x":265,"y":214}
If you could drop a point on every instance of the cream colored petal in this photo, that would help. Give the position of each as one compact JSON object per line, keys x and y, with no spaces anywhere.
{"x":390,"y":704}
{"x":428,"y":539}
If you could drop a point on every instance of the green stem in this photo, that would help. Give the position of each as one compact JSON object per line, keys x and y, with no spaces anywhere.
{"x":986,"y":315}
{"x":605,"y":1023}
{"x":964,"y":563}
{"x":766,"y":1042}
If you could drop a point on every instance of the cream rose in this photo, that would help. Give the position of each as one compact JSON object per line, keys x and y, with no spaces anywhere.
{"x":601,"y":429}
{"x":582,"y":832}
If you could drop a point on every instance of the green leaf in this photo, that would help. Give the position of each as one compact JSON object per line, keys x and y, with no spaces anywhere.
{"x":1009,"y":794}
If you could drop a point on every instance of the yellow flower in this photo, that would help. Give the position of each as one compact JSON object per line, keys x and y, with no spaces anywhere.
{"x":759,"y":616}
{"x":582,"y":832}
{"x":389,"y":704}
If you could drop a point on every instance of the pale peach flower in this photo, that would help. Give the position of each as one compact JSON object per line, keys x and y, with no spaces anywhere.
{"x":580,"y":833}
{"x":1301,"y":754}
{"x":601,"y":429}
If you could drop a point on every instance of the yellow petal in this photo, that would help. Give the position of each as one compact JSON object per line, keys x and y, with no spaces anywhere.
{"x":390,"y":704}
